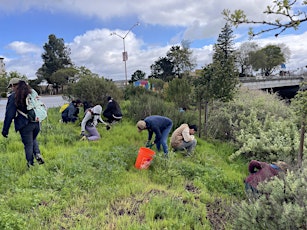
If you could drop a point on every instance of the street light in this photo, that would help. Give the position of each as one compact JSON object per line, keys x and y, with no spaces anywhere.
{"x":125,"y":54}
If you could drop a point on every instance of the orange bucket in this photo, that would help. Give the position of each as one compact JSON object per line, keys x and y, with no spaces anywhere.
{"x":144,"y":158}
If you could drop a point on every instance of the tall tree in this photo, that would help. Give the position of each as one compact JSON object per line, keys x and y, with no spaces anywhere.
{"x":300,"y":105}
{"x":162,"y":69}
{"x":181,"y":57}
{"x":220,"y":78}
{"x":137,"y":75}
{"x":267,"y":59}
{"x":225,"y":74}
{"x":242,"y":57}
{"x":284,"y":14}
{"x":55,"y":57}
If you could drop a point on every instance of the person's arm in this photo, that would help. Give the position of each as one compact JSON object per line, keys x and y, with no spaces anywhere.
{"x":10,"y":114}
{"x":186,"y":135}
{"x":87,"y":117}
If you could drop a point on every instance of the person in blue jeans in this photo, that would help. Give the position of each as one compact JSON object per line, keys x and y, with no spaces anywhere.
{"x":159,"y":125}
{"x":28,"y":130}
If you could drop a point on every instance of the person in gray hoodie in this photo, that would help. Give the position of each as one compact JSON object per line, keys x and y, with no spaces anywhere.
{"x":91,"y":118}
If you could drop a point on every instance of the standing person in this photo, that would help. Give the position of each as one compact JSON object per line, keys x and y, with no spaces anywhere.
{"x":159,"y":125}
{"x":113,"y":112}
{"x":183,"y":138}
{"x":262,"y":171}
{"x":70,"y":114}
{"x":28,"y":129}
{"x":91,"y":118}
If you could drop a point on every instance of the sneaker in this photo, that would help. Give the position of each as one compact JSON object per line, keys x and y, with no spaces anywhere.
{"x":30,"y":164}
{"x":39,"y":159}
{"x":83,"y":138}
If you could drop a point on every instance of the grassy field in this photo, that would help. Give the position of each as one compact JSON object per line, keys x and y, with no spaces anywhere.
{"x":94,"y":185}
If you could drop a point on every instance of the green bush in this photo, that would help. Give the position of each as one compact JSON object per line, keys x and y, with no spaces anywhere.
{"x":261,"y":125}
{"x":282,"y":207}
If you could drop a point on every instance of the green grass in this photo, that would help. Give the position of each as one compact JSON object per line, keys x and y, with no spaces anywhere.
{"x":94,"y":185}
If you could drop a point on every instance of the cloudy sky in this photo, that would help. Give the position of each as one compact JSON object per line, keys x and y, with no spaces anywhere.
{"x":86,"y":26}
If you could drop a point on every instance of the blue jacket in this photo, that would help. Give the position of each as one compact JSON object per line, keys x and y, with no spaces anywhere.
{"x":71,"y":112}
{"x":11,"y":113}
{"x":156,"y":124}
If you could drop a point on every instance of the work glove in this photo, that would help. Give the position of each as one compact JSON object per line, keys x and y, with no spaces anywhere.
{"x":149,"y":144}
{"x":5,"y":134}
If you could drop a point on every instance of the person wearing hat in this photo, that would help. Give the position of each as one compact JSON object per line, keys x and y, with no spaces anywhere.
{"x":91,"y":118}
{"x":16,"y":105}
{"x":262,"y":171}
{"x":70,"y":114}
{"x":112,"y":112}
{"x":159,"y":125}
{"x":183,"y":138}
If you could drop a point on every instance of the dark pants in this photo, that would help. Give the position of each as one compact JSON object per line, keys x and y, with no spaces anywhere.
{"x":28,"y":136}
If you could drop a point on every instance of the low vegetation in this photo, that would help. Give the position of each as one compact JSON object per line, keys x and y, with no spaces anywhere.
{"x":94,"y":185}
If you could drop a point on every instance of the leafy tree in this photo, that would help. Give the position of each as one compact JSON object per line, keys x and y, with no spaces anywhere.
{"x":181,"y":57}
{"x":300,"y":106}
{"x":62,"y":76}
{"x":284,"y":15}
{"x":267,"y":59}
{"x":243,"y":57}
{"x":220,"y":78}
{"x":162,"y":69}
{"x":178,"y":91}
{"x":204,"y":92}
{"x":55,"y":57}
{"x":137,"y":75}
{"x":93,"y":89}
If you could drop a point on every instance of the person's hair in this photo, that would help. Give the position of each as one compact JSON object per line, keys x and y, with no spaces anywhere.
{"x":21,"y":93}
{"x":193,"y":127}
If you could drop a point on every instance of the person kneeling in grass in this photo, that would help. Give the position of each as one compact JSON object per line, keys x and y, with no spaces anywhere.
{"x":183,"y":138}
{"x":91,"y":118}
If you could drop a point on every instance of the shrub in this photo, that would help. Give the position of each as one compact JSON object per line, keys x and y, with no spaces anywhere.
{"x":283,"y":206}
{"x":259,"y":123}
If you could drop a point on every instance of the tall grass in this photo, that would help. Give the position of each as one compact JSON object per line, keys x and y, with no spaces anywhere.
{"x":94,"y":185}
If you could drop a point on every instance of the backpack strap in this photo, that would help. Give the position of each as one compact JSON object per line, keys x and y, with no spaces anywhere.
{"x":22,"y":113}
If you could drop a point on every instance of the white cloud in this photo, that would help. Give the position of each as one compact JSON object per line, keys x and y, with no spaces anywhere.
{"x":102,"y":53}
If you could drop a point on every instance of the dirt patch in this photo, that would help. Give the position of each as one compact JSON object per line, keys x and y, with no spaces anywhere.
{"x":219,"y":213}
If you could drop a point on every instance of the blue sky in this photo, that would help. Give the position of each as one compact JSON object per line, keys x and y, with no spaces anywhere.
{"x":86,"y":26}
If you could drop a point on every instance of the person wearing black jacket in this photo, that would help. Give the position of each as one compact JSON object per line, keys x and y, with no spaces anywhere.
{"x":112,"y":112}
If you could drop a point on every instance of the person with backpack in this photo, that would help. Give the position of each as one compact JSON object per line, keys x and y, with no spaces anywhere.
{"x":112,"y":112}
{"x":91,"y":118}
{"x":16,"y":105}
{"x":70,"y":114}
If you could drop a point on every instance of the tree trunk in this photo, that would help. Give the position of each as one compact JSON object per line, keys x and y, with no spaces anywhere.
{"x":199,"y":119}
{"x":301,"y":147}
{"x":206,"y":119}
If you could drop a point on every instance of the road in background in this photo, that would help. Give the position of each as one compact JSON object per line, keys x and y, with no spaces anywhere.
{"x":50,"y":101}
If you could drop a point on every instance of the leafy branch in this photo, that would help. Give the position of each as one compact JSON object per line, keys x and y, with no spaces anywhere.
{"x":289,"y":15}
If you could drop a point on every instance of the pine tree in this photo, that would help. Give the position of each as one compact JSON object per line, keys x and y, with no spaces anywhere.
{"x":225,"y":75}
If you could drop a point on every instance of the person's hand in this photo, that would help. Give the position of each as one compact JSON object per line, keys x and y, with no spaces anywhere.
{"x":5,"y":134}
{"x":149,"y":144}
